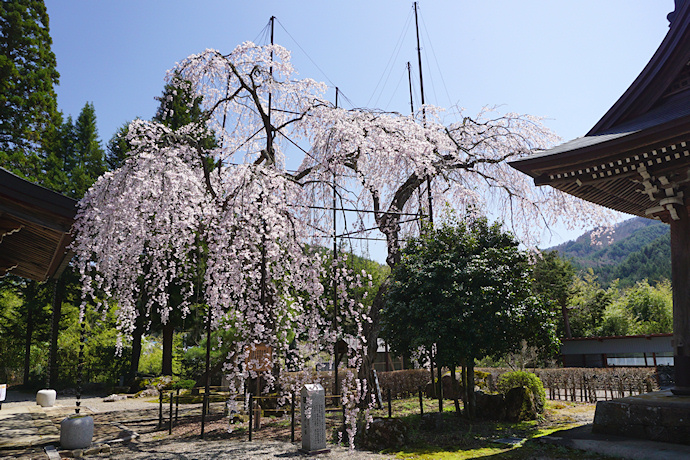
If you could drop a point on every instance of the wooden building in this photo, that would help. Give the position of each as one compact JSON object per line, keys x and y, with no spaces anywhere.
{"x":636,"y":160}
{"x":649,"y":350}
{"x":35,"y":225}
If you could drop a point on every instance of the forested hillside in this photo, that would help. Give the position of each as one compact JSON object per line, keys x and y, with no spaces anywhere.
{"x":640,"y":249}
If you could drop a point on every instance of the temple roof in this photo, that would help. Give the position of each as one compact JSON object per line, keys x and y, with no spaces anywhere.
{"x":636,"y":156}
{"x":35,"y":225}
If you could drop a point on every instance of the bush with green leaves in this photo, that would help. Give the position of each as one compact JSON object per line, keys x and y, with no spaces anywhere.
{"x":518,"y":379}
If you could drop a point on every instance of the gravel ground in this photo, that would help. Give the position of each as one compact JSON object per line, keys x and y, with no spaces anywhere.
{"x":207,"y":450}
{"x":139,"y":414}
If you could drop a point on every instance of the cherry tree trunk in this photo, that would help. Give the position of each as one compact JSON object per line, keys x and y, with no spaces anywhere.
{"x":136,"y":349}
{"x":371,"y":332}
{"x":168,"y":330}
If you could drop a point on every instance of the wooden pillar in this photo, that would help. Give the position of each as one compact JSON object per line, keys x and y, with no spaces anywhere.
{"x":680,"y":274}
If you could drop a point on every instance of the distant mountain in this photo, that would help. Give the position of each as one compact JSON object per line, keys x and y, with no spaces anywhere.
{"x":640,"y":248}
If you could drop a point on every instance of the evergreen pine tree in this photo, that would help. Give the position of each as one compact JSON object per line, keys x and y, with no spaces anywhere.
{"x":179,"y":107}
{"x":87,"y":162}
{"x":28,"y":103}
{"x":118,"y":148}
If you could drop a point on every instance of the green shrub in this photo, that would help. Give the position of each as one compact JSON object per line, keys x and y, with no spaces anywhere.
{"x":523,"y":379}
{"x":482,"y":380}
{"x":184,"y":384}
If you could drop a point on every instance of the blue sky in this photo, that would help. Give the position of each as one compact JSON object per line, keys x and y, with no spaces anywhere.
{"x":563,"y":60}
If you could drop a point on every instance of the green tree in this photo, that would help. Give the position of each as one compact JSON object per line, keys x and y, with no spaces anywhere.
{"x":553,"y":280}
{"x":588,"y":304}
{"x":466,"y":288}
{"x":28,"y":104}
{"x":25,"y":314}
{"x":59,"y":146}
{"x":178,"y":107}
{"x":74,"y":157}
{"x":118,"y":148}
{"x":641,"y":309}
{"x":87,"y":163}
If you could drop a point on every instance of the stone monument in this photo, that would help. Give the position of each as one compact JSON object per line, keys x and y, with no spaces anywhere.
{"x":76,"y":432}
{"x":313,"y":419}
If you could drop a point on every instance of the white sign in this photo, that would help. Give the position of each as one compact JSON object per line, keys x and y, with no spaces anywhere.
{"x":3,"y":391}
{"x":313,"y":418}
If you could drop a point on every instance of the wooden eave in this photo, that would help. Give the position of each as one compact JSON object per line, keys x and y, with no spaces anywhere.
{"x":542,"y":166}
{"x":35,"y":225}
{"x":619,"y":173}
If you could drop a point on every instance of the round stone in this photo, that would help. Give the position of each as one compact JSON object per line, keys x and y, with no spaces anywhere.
{"x":46,"y":398}
{"x":76,"y":432}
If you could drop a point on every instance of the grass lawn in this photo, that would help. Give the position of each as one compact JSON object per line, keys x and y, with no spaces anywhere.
{"x":457,"y":439}
{"x":461,"y":439}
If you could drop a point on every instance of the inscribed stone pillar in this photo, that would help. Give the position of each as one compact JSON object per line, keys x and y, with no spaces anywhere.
{"x":313,"y":418}
{"x":680,"y":274}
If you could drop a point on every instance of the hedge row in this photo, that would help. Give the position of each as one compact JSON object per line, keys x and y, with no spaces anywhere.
{"x":591,"y":384}
{"x":404,"y":383}
{"x":571,"y":383}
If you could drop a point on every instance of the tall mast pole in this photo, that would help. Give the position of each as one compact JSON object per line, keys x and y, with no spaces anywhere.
{"x":409,"y":79}
{"x":419,"y":53}
{"x":335,"y":273}
{"x":269,"y":132}
{"x":420,"y":195}
{"x":421,"y":87}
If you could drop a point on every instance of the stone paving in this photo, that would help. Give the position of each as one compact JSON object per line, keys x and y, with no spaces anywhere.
{"x":26,"y":426}
{"x":28,"y":431}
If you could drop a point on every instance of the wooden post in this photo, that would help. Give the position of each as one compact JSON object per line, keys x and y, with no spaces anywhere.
{"x":177,"y":404}
{"x":257,"y":415}
{"x":251,"y":414}
{"x":421,"y":405}
{"x":656,"y":370}
{"x":680,"y":279}
{"x":171,"y":413}
{"x":390,"y":407}
{"x":432,"y":393}
{"x":388,"y":359}
{"x":292,"y":418}
{"x":342,"y":400}
{"x":440,"y":388}
{"x":160,"y":408}
{"x":208,"y":371}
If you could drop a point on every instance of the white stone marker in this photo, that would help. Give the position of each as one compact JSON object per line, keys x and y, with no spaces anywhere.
{"x":46,"y":398}
{"x":314,"y":426}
